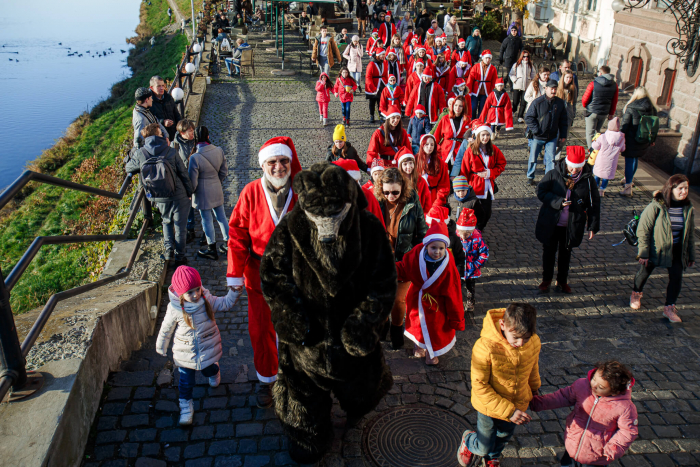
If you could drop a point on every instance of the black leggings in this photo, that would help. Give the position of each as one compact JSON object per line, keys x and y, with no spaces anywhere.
{"x":675,"y":276}
{"x":468,"y":289}
{"x":373,"y":103}
{"x":482,"y":211}
{"x":557,"y":243}
{"x":519,"y":103}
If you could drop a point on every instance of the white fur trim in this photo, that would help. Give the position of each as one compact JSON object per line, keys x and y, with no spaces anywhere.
{"x":464,"y":227}
{"x":406,"y":156}
{"x":355,"y":174}
{"x":265,"y":379}
{"x":376,"y":168}
{"x":437,"y":237}
{"x":274,"y":150}
{"x":234,"y":281}
{"x":483,"y":128}
{"x":395,"y":114}
{"x":575,"y":165}
{"x":486,"y":56}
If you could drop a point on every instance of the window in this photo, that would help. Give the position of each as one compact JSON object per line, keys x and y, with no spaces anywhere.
{"x":636,"y":68}
{"x":667,"y":90}
{"x":591,"y":5}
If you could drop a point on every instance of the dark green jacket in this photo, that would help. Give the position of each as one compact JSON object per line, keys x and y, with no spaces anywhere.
{"x":656,"y":238}
{"x":412,"y":227}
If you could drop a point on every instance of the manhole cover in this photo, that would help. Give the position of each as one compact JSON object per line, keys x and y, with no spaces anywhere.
{"x":412,"y":437}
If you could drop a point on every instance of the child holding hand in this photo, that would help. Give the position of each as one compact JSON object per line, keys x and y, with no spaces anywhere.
{"x":323,"y":96}
{"x":603,"y":424}
{"x":197,"y":343}
{"x":476,"y":253}
{"x":505,"y":375}
{"x":434,"y":299}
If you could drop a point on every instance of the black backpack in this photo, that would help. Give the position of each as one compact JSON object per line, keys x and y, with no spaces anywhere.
{"x":157,"y":176}
{"x":630,"y":231}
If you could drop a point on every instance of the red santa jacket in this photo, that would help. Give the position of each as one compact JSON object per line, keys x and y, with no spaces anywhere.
{"x":480,"y":76}
{"x":411,"y":82}
{"x":372,"y":43}
{"x":461,"y":55}
{"x":390,"y":97}
{"x":436,"y":98}
{"x":426,"y":200}
{"x":427,"y":61}
{"x":251,"y":225}
{"x":386,"y":32}
{"x":433,"y":303}
{"x":452,"y":77}
{"x":376,"y":146}
{"x":498,"y":111}
{"x":449,"y":137}
{"x":376,"y":77}
{"x":474,"y":163}
{"x":441,"y":75}
{"x":373,"y":205}
{"x":439,"y":183}
{"x":339,"y":88}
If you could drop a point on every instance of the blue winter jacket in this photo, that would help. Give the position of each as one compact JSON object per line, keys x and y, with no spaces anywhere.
{"x":418,"y":127}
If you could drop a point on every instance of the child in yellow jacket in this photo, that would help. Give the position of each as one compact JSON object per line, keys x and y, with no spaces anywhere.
{"x":505,"y":376}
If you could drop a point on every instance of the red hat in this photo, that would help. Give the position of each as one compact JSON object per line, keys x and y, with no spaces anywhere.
{"x":444,"y":36}
{"x":467,"y":220}
{"x":414,"y":39}
{"x":431,"y":32}
{"x":486,"y":53}
{"x":427,"y":72}
{"x":393,"y":111}
{"x":378,"y":51}
{"x":475,"y":124}
{"x":350,"y":166}
{"x":418,"y":49}
{"x":421,"y":108}
{"x":575,"y":156}
{"x":499,"y":81}
{"x":404,"y":153}
{"x":378,"y":164}
{"x":438,"y":213}
{"x":391,"y":50}
{"x":388,"y":14}
{"x":428,"y":135}
{"x":459,"y":82}
{"x":280,"y":146}
{"x":185,"y":278}
{"x":375,"y":31}
{"x":437,"y":232}
{"x":392,"y":76}
{"x":461,"y":41}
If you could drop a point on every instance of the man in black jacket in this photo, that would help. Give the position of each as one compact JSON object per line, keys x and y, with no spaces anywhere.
{"x":164,"y":107}
{"x":510,"y":50}
{"x":547,"y":125}
{"x":362,"y":14}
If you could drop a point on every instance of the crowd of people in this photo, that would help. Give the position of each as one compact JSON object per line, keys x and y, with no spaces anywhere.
{"x":432,"y":187}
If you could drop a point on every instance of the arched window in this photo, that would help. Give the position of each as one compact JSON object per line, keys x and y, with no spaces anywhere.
{"x":667,"y":89}
{"x":636,"y":71}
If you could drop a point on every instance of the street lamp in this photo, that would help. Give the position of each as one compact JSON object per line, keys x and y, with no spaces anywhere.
{"x":177,"y":94}
{"x":196,"y":48}
{"x":189,"y":68}
{"x":618,"y":5}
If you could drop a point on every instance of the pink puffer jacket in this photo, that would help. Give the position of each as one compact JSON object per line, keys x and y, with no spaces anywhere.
{"x":598,"y":426}
{"x":323,"y":94}
{"x":610,"y":145}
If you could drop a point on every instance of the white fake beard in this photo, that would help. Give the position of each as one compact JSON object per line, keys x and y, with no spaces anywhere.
{"x":278,"y":182}
{"x":328,"y":227}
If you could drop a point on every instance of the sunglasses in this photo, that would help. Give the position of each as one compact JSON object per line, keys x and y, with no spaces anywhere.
{"x":392,"y":193}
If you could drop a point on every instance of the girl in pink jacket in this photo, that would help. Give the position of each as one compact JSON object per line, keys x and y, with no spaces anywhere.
{"x":323,"y":96}
{"x":603,"y":423}
{"x":609,"y":146}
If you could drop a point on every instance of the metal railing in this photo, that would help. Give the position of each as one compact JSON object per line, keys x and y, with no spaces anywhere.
{"x":13,"y":372}
{"x":184,"y":80}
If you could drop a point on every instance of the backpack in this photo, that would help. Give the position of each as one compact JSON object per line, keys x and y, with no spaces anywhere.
{"x":157,"y":176}
{"x":630,"y":231}
{"x":648,"y":129}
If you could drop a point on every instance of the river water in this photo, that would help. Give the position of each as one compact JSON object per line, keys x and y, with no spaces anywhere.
{"x":43,"y":88}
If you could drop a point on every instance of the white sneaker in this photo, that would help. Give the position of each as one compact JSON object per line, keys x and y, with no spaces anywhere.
{"x":520,"y":120}
{"x":186,"y":411}
{"x":215,"y":380}
{"x":325,"y":121}
{"x":320,"y":118}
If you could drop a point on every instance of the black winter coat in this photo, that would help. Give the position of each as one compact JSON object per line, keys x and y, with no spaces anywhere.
{"x":362,"y":11}
{"x":630,"y":124}
{"x":456,"y":247}
{"x":547,"y":118}
{"x":166,"y":109}
{"x":333,"y":154}
{"x":412,"y":226}
{"x":510,"y":50}
{"x":584,"y":209}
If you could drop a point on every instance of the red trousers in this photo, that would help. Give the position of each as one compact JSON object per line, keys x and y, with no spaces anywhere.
{"x":262,"y":333}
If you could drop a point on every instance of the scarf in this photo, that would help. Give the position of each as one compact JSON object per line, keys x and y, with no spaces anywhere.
{"x":278,"y":198}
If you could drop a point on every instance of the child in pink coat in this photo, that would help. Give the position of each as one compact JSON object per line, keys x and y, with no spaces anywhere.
{"x":609,"y":146}
{"x":603,"y":423}
{"x":323,"y":96}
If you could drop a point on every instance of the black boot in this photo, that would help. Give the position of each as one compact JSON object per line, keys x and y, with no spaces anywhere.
{"x":371,"y":118}
{"x":223,"y":249}
{"x":190,"y":236}
{"x":209,"y":252}
{"x":203,"y":240}
{"x":397,"y":337}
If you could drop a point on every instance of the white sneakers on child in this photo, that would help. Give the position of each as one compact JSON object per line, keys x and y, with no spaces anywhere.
{"x":186,"y":411}
{"x":215,"y":380}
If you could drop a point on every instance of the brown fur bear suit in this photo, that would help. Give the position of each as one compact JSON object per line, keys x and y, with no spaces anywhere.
{"x":330,"y":296}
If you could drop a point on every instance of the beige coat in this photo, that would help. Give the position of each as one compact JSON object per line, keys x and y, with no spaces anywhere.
{"x":332,"y":50}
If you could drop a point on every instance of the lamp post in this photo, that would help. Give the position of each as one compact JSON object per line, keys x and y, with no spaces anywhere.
{"x":194,"y":33}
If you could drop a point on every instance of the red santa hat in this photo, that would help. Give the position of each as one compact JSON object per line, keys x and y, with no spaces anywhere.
{"x":427,"y":72}
{"x":414,"y":39}
{"x":437,"y":233}
{"x":402,"y":155}
{"x":377,"y":164}
{"x":350,"y":166}
{"x":420,"y":108}
{"x":388,"y":14}
{"x":392,"y":76}
{"x":280,"y":146}
{"x":378,"y":51}
{"x":461,"y":41}
{"x":467,"y":220}
{"x":390,"y":51}
{"x":431,"y":32}
{"x":475,"y":124}
{"x":427,"y":135}
{"x":575,"y":156}
{"x":375,"y":31}
{"x":499,"y":81}
{"x":459,"y":82}
{"x":462,"y":62}
{"x":418,"y":49}
{"x":438,"y":213}
{"x":444,"y":36}
{"x":486,"y":54}
{"x":393,"y":111}
{"x":482,"y":127}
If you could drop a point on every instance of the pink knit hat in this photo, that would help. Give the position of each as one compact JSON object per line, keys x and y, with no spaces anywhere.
{"x":185,"y":278}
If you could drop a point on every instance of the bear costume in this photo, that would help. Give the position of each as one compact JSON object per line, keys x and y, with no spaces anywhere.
{"x":329,"y":276}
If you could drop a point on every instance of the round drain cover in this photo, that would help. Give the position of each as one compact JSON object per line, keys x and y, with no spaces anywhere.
{"x":412,"y":437}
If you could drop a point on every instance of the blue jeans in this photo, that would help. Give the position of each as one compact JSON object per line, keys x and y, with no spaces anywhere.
{"x":208,"y":223}
{"x":490,"y":438}
{"x":536,"y":146}
{"x":602,"y":183}
{"x":191,"y":219}
{"x":345,"y":108}
{"x":187,"y":378}
{"x":323,"y":63}
{"x":356,"y":75}
{"x":478,"y":103}
{"x":232,"y":61}
{"x":631,"y":164}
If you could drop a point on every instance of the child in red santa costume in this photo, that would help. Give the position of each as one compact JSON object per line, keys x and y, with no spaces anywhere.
{"x":420,"y":55}
{"x":260,"y":207}
{"x":375,"y":172}
{"x":351,"y":167}
{"x":434,"y":299}
{"x":430,"y":95}
{"x":452,"y":129}
{"x":405,"y":161}
{"x":481,"y":81}
{"x":461,"y":54}
{"x":391,"y":95}
{"x":498,"y":110}
{"x":459,"y":71}
{"x":373,"y":42}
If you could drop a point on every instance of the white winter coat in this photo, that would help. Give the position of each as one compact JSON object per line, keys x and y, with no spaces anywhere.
{"x":354,"y":57}
{"x":521,"y":75}
{"x":531,"y":95}
{"x":195,"y":348}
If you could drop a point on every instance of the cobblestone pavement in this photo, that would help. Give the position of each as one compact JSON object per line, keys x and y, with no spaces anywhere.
{"x":137,"y":420}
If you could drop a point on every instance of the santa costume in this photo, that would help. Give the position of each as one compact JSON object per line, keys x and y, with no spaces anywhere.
{"x":461,"y":54}
{"x":422,"y":186}
{"x":250,"y":227}
{"x":378,"y":165}
{"x":376,"y":75}
{"x":439,"y":178}
{"x":351,"y":167}
{"x":460,"y":70}
{"x":377,"y":147}
{"x":441,"y":73}
{"x":498,"y":110}
{"x":450,"y":135}
{"x":413,"y":79}
{"x":417,"y":57}
{"x":373,"y":42}
{"x":460,"y":89}
{"x":390,"y":97}
{"x":387,"y":30}
{"x":412,"y":42}
{"x":429,"y":95}
{"x":394,"y":67}
{"x":481,"y":81}
{"x":434,"y":300}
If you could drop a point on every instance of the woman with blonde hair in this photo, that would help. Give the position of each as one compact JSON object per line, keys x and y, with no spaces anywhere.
{"x":568,"y":93}
{"x":639,"y":105}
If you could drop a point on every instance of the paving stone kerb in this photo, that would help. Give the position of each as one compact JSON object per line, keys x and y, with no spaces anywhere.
{"x":594,"y":323}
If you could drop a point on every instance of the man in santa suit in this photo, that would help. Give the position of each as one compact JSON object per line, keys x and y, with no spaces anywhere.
{"x":413,"y":80}
{"x":498,"y":110}
{"x":376,"y":77}
{"x":260,"y":207}
{"x":481,"y":81}
{"x":387,"y":30}
{"x":428,"y":94}
{"x":460,"y":70}
{"x":351,"y":167}
{"x":461,"y":54}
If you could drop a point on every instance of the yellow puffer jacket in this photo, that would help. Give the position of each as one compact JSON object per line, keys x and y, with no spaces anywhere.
{"x":503,"y":377}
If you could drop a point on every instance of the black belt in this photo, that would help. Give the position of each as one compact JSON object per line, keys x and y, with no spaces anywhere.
{"x":254,"y":255}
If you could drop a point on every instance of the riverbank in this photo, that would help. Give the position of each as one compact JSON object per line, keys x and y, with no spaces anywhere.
{"x":91,"y":152}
